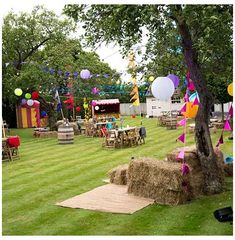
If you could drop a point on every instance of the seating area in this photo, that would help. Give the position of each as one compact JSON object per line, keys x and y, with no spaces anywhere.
{"x":124,"y":137}
{"x":10,"y":150}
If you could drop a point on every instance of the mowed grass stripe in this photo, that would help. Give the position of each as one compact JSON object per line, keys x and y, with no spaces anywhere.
{"x":66,"y":166}
{"x":60,"y":175}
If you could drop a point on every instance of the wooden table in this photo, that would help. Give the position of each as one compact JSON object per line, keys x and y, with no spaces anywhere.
{"x":122,"y":134}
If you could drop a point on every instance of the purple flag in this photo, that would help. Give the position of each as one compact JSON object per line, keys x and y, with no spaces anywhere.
{"x":181,"y":138}
{"x":183,"y":109}
{"x":180,"y":155}
{"x":231,"y":111}
{"x":221,"y":140}
{"x":227,"y":126}
{"x":182,"y":122}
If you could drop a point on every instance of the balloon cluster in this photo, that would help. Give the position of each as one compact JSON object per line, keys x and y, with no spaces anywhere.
{"x":29,"y":99}
{"x":164,"y":87}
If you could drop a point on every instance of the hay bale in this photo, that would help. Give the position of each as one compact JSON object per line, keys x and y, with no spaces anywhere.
{"x":159,"y":180}
{"x":118,"y":175}
{"x":196,"y":176}
{"x":190,"y":156}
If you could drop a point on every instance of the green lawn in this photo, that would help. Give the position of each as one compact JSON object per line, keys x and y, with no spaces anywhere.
{"x":48,"y":173}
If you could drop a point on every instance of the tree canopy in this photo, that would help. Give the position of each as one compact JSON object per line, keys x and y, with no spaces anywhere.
{"x":210,"y":27}
{"x":205,"y":35}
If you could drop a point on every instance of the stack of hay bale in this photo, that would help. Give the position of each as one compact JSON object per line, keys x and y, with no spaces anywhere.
{"x":196,"y":174}
{"x":159,"y":180}
{"x":162,"y":180}
{"x":118,"y":175}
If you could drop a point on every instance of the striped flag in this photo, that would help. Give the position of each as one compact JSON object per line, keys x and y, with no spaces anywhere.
{"x":57,"y":97}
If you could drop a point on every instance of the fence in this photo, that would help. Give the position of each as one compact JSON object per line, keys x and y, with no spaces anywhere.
{"x":127,"y":109}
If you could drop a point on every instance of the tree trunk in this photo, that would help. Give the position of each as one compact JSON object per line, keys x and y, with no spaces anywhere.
{"x":51,"y":112}
{"x":208,"y":158}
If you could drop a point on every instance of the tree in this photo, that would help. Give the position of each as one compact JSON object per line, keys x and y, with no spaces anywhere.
{"x":201,"y":30}
{"x":35,"y":47}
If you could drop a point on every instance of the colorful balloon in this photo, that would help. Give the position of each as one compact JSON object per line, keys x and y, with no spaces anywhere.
{"x":23,"y":101}
{"x":85,"y":74}
{"x":30,"y":102}
{"x":35,"y":95}
{"x":27,"y":95}
{"x":174,"y":79}
{"x":162,"y":88}
{"x":97,"y":108}
{"x":230,"y":89}
{"x":18,"y":92}
{"x":151,"y":78}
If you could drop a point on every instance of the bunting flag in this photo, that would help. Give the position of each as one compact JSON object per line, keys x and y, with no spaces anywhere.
{"x":183,"y":109}
{"x":181,"y":138}
{"x":182,"y":122}
{"x":227,"y":126}
{"x":221,"y":140}
{"x":184,"y":169}
{"x":186,"y":98}
{"x":134,"y":92}
{"x":180,"y":155}
{"x":231,"y":111}
{"x":57,"y":97}
{"x":195,"y":102}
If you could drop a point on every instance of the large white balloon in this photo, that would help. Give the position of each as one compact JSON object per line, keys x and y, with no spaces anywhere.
{"x":162,"y":88}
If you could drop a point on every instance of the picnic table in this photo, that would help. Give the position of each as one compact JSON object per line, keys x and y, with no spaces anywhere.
{"x":125,"y":137}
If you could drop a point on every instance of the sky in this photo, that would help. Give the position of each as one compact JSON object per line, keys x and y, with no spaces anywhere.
{"x":109,"y":54}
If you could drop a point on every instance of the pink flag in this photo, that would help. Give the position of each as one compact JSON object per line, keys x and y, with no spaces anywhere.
{"x":231,"y":111}
{"x":182,"y":122}
{"x":191,"y":86}
{"x":227,"y":126}
{"x":181,"y":138}
{"x":184,"y":169}
{"x":183,"y":109}
{"x":195,"y":102}
{"x":186,"y":99}
{"x":180,"y":155}
{"x":221,"y":140}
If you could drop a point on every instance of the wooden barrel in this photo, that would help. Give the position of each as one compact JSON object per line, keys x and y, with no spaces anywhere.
{"x":65,"y":134}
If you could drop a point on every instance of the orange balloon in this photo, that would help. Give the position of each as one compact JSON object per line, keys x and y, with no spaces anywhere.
{"x":191,"y":110}
{"x":230,"y":89}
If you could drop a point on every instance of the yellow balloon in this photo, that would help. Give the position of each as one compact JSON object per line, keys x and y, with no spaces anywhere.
{"x":230,"y":89}
{"x":191,"y":110}
{"x":151,"y":78}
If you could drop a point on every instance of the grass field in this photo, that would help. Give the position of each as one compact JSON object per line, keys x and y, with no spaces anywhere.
{"x":48,"y":173}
